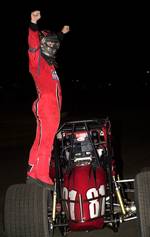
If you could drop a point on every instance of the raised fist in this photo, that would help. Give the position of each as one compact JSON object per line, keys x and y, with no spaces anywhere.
{"x":65,"y":29}
{"x":35,"y":16}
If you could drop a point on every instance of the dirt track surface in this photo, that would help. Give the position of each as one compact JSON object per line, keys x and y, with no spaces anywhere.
{"x":131,"y":129}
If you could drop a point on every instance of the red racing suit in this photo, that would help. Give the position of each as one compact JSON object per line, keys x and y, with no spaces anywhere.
{"x":46,"y":109}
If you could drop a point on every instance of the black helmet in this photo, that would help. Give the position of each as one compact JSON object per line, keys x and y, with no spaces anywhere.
{"x":49,"y":43}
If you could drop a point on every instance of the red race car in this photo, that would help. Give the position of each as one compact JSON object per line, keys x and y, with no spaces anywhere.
{"x":88,"y":193}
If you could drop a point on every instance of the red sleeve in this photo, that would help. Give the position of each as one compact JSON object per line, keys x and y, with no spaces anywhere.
{"x":34,"y":48}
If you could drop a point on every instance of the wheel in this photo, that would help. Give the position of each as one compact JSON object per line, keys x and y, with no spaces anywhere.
{"x":2,"y":195}
{"x":142,"y":197}
{"x":26,"y":211}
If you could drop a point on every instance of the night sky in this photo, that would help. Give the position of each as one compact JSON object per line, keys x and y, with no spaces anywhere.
{"x":108,"y":42}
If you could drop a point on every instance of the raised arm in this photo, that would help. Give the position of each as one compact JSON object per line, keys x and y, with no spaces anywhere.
{"x":63,"y":31}
{"x":33,"y":39}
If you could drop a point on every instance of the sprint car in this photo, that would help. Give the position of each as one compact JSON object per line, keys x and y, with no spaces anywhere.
{"x":88,"y":193}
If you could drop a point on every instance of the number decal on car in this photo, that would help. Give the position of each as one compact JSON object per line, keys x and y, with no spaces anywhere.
{"x":96,"y":204}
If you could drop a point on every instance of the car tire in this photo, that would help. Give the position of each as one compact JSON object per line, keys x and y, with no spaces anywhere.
{"x":26,"y":211}
{"x":2,"y":196}
{"x":142,"y":198}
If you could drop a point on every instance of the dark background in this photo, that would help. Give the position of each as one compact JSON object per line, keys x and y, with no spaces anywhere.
{"x":107,"y":47}
{"x":104,"y":69}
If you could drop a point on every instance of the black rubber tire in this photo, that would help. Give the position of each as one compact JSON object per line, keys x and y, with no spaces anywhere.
{"x":25,"y":211}
{"x":142,"y":198}
{"x":2,"y":196}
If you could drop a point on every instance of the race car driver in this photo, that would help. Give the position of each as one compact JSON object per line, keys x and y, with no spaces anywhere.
{"x":43,"y":46}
